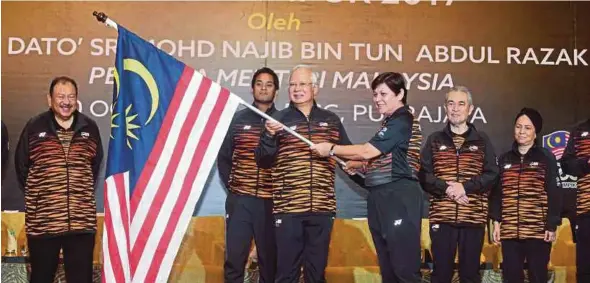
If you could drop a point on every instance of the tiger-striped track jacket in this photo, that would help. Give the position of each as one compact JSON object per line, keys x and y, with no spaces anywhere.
{"x":57,"y":170}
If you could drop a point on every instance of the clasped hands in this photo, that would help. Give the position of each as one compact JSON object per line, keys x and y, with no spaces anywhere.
{"x":456,"y":192}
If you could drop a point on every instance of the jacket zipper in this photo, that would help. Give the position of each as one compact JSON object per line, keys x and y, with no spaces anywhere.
{"x":518,"y":199}
{"x":68,"y":181}
{"x":66,"y":155}
{"x":310,"y":166}
{"x":457,"y":180}
{"x":257,"y":168}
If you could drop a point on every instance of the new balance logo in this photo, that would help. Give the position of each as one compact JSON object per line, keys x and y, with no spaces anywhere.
{"x":397,"y":222}
{"x":42,"y":134}
{"x":247,"y":127}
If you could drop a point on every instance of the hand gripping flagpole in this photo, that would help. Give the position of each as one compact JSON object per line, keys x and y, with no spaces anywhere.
{"x":266,"y":116}
{"x":103,"y":18}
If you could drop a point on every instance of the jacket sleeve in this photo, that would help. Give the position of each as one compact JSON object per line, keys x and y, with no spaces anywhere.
{"x":267,"y":150}
{"x":224,"y":158}
{"x":554,"y":194}
{"x":495,"y":207}
{"x":21,"y":158}
{"x":430,"y":183}
{"x":570,"y":163}
{"x":268,"y":146}
{"x":483,"y":183}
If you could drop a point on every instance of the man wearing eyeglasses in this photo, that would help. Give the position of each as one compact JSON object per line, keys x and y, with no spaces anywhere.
{"x":304,"y":202}
{"x":458,"y":168}
{"x":248,"y":206}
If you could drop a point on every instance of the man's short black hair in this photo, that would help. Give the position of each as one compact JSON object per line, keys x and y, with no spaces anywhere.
{"x":62,"y":80}
{"x":265,"y":70}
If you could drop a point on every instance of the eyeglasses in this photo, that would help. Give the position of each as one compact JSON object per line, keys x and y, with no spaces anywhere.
{"x":300,"y":85}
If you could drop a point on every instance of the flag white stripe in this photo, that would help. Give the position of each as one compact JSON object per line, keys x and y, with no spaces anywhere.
{"x":117,"y":222}
{"x":171,"y":198}
{"x":108,"y":273}
{"x":155,"y":180}
{"x":126,"y":265}
{"x":197,"y":188}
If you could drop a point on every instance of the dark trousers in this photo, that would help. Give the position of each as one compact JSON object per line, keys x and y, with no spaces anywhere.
{"x":394,"y":216}
{"x":303,"y":240}
{"x":583,"y":249}
{"x":536,"y":253}
{"x":77,"y":257}
{"x":246,"y":218}
{"x":445,"y":240}
{"x":569,"y":209}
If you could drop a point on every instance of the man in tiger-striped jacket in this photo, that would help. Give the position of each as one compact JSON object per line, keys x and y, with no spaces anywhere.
{"x":57,"y":162}
{"x":248,"y":206}
{"x":458,"y":169}
{"x":576,"y":162}
{"x":304,"y":200}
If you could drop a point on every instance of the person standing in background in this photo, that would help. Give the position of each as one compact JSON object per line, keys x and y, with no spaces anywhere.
{"x":458,"y":169}
{"x":248,"y":206}
{"x":576,"y":162}
{"x":526,"y":203}
{"x":57,"y":161}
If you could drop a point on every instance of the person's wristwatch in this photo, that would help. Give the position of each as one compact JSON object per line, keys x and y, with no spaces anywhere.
{"x":331,"y":153}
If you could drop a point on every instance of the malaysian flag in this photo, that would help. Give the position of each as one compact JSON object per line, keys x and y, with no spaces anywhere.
{"x":166,"y":123}
{"x":556,"y":142}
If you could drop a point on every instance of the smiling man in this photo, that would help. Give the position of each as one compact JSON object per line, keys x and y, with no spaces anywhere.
{"x":57,"y":161}
{"x":304,"y":201}
{"x":458,"y":168}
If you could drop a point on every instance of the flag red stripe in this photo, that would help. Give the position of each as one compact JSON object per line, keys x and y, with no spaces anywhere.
{"x":202,"y":147}
{"x":115,"y":258}
{"x":164,"y":187}
{"x":156,"y":152}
